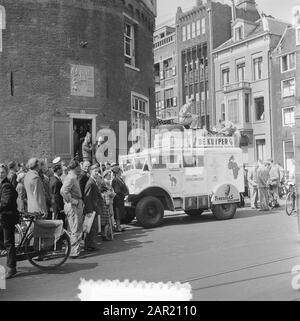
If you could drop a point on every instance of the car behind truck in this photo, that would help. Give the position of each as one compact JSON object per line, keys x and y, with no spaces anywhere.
{"x":206,"y":174}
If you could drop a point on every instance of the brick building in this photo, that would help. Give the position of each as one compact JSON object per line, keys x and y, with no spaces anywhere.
{"x":284,"y":98}
{"x":199,"y":31}
{"x":243,"y":85}
{"x":165,"y":69}
{"x":87,"y":63}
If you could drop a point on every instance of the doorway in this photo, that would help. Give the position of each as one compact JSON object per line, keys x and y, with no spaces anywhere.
{"x":80,"y":129}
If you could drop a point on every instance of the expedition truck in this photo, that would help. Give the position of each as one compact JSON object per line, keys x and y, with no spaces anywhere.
{"x":206,"y":174}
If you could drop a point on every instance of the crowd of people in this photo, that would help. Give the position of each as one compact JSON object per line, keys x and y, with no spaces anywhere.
{"x":263,"y":184}
{"x":60,"y":192}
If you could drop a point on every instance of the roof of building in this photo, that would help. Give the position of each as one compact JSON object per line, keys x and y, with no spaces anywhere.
{"x":266,"y":24}
{"x":287,"y":42}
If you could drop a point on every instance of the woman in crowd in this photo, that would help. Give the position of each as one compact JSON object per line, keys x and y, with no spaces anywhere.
{"x":109,"y":196}
{"x":104,"y":217}
{"x":22,"y":196}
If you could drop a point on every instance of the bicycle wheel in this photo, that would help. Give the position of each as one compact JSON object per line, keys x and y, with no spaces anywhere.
{"x":290,"y":203}
{"x":47,"y":254}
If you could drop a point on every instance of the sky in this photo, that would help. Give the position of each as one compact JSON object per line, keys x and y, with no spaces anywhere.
{"x":281,"y":9}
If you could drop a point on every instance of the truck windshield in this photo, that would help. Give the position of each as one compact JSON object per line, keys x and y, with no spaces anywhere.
{"x":170,"y":161}
{"x":127,"y":164}
{"x":139,"y":163}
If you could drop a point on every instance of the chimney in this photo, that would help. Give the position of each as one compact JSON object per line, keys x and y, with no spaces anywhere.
{"x":233,"y":8}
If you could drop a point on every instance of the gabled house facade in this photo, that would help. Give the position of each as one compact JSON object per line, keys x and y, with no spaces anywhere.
{"x":242,"y":83}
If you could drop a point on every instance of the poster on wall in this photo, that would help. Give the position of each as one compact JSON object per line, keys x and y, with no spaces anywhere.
{"x":82,"y":81}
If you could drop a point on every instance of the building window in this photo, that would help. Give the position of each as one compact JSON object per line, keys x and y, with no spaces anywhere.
{"x":203,"y":26}
{"x":298,"y":35}
{"x":193,"y":29}
{"x":169,"y":98}
{"x":247,"y":108}
{"x":198,"y":23}
{"x":233,"y":111}
{"x":184,"y":33}
{"x":225,"y":76}
{"x":257,"y":66}
{"x":223,"y":112}
{"x":261,"y":149}
{"x":238,"y":33}
{"x":157,"y":101}
{"x":241,"y":71}
{"x":168,"y":68}
{"x":288,"y":62}
{"x":288,"y":116}
{"x":259,"y":103}
{"x":140,"y":116}
{"x":188,"y":32}
{"x":288,"y":88}
{"x":129,"y":44}
{"x":289,"y":158}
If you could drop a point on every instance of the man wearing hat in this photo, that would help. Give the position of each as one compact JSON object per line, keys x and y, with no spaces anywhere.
{"x":36,"y":198}
{"x":56,"y":184}
{"x":73,"y":207}
{"x":121,"y":190}
{"x":93,"y":203}
{"x":12,"y":174}
{"x":84,"y":175}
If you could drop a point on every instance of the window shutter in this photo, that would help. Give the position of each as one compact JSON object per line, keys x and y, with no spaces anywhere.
{"x":161,"y":75}
{"x":61,"y":138}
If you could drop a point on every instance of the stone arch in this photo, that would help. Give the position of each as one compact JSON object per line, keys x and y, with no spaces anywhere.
{"x":2,"y":18}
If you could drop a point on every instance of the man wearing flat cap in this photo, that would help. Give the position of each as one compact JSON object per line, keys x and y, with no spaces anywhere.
{"x":36,"y":197}
{"x":73,"y":206}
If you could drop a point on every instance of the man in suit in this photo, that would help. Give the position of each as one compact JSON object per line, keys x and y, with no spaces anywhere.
{"x":36,"y":198}
{"x":8,"y":219}
{"x":84,"y":175}
{"x":57,"y":201}
{"x":93,"y":203}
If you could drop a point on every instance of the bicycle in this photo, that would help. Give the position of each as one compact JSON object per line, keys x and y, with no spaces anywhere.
{"x":290,"y":203}
{"x":273,"y":201}
{"x":41,"y":252}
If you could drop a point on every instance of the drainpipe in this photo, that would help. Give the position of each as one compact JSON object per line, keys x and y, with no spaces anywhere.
{"x":270,"y":102}
{"x":212,"y":71}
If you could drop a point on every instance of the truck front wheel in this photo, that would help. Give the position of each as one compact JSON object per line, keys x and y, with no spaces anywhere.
{"x":129,"y":216}
{"x":224,"y":211}
{"x":149,"y":212}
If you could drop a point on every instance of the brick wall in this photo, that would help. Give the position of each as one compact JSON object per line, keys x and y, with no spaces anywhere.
{"x":40,"y":42}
